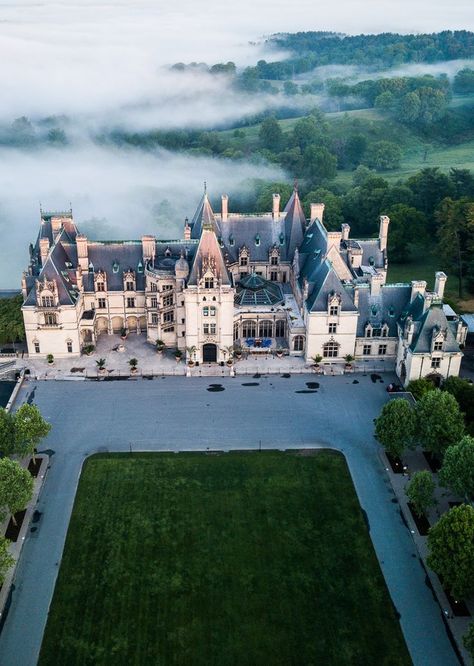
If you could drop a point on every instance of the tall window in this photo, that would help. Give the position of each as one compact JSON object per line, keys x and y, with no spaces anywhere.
{"x":205,"y":311}
{"x":154,"y":318}
{"x":130,"y":302}
{"x":265,"y":329}
{"x":298,"y":343}
{"x":153,"y":286}
{"x":100,"y":286}
{"x":212,"y":311}
{"x":168,"y":317}
{"x":249,"y":329}
{"x":69,"y":346}
{"x":333,"y":310}
{"x":274,"y":261}
{"x":438,"y":345}
{"x":330,"y":350}
{"x":50,"y":319}
{"x":382,"y":350}
{"x":332,"y":328}
{"x":435,"y":362}
{"x":37,"y":347}
{"x":167,"y":300}
{"x":274,"y":276}
{"x":154,"y":302}
{"x":279,"y":328}
{"x":101,"y":303}
{"x":367,"y":350}
{"x":244,"y":261}
{"x":47,"y":301}
{"x":129,"y":286}
{"x":209,"y":283}
{"x":236,"y":331}
{"x":209,"y":329}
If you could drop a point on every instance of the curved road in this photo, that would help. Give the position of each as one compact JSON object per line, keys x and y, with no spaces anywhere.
{"x":176,"y":413}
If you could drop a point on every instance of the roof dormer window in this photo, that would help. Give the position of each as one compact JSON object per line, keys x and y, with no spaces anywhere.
{"x":115,"y":267}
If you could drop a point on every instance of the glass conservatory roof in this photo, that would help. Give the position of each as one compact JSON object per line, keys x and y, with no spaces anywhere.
{"x":255,"y":290}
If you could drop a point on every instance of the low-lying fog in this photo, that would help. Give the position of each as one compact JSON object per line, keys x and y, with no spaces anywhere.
{"x":106,"y":63}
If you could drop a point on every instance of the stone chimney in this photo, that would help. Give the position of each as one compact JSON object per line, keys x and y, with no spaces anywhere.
{"x":440,"y":283}
{"x":148,"y":248}
{"x":417,"y":287}
{"x":428,"y":301}
{"x":356,"y":296}
{"x":276,"y":206}
{"x":333,"y":239}
{"x":56,"y":225}
{"x":409,"y":330}
{"x":461,"y":332}
{"x":376,"y":282}
{"x":383,"y":233}
{"x":187,"y":230}
{"x":79,"y":280}
{"x":346,"y":230}
{"x":355,"y":256}
{"x":82,"y":253}
{"x":224,"y":207}
{"x":44,"y":249}
{"x":24,"y":290}
{"x":317,"y":212}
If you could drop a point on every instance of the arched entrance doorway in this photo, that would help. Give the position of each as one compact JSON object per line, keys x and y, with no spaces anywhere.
{"x":209,"y":353}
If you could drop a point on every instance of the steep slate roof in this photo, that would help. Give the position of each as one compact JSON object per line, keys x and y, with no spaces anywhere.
{"x":259,"y":233}
{"x":208,"y":249}
{"x":295,"y":223}
{"x":384,"y":308}
{"x":204,"y":216}
{"x":57,"y":267}
{"x":326,"y":282}
{"x":434,"y":318}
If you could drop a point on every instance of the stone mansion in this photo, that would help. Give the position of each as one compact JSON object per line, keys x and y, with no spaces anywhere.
{"x":259,"y":281}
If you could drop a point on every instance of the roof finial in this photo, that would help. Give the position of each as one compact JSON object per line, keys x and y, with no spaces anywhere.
{"x":205,"y":187}
{"x":295,"y":185}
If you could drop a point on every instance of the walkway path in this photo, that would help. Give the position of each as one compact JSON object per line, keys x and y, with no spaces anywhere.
{"x":176,"y":413}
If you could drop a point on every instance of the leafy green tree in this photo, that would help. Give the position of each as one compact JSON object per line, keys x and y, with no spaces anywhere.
{"x":11,"y":320}
{"x":7,"y":432}
{"x":57,"y":136}
{"x":468,"y":640}
{"x":420,"y":491}
{"x":395,"y":426}
{"x":383,"y":155}
{"x":406,"y":226}
{"x":456,"y":236}
{"x":6,"y":560}
{"x":319,"y":164}
{"x":290,"y":88}
{"x":430,"y":186}
{"x":457,"y":472}
{"x":270,"y":134}
{"x":451,"y":550}
{"x":463,"y":182}
{"x":16,"y":487}
{"x":463,"y":391}
{"x":356,"y":146}
{"x":307,"y":131}
{"x":418,"y":387}
{"x":439,"y":422}
{"x":30,"y":428}
{"x":266,"y":192}
{"x":464,"y":81}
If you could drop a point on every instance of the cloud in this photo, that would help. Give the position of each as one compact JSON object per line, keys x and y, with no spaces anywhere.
{"x":114,"y":193}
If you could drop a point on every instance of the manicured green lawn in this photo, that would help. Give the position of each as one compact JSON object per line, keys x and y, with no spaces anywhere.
{"x":241,"y":559}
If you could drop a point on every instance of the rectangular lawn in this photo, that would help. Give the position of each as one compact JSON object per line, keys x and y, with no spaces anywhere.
{"x":241,"y":559}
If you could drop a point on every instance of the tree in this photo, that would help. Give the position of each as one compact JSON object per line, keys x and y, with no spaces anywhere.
{"x":395,"y":426}
{"x":468,"y":640}
{"x":30,"y":428}
{"x":430,"y":186}
{"x":383,"y":155}
{"x":418,"y":387}
{"x":7,"y":433}
{"x":456,"y":235}
{"x":319,"y":164}
{"x":406,"y":225}
{"x":356,"y":146}
{"x":451,"y":550}
{"x":57,"y":136}
{"x":333,"y":217}
{"x":265,"y":195}
{"x":6,"y":560}
{"x":307,"y":131}
{"x":439,"y":422}
{"x":16,"y":487}
{"x":464,"y":81}
{"x":457,"y":472}
{"x":290,"y":88}
{"x":11,"y":320}
{"x":463,"y":391}
{"x":270,"y":135}
{"x":420,"y":491}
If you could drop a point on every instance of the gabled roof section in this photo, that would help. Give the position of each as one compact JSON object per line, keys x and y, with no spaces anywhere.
{"x":434,"y":318}
{"x":327,"y":282}
{"x":58,"y":267}
{"x":208,"y":255}
{"x":295,"y":223}
{"x":203,"y":217}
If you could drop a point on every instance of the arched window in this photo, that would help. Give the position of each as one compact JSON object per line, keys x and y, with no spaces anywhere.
{"x":298,"y":343}
{"x":265,"y":329}
{"x":205,"y":311}
{"x":330,"y":350}
{"x":279,"y":328}
{"x":249,"y":329}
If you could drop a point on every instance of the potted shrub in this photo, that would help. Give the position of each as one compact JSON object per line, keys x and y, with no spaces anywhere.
{"x":123,"y":333}
{"x":317,"y":358}
{"x":191,"y":355}
{"x":178,"y":354}
{"x":160,"y":346}
{"x":101,"y":365}
{"x":88,"y":350}
{"x":50,"y":359}
{"x":348,"y":359}
{"x":238,"y":352}
{"x":133,"y":362}
{"x":279,"y":352}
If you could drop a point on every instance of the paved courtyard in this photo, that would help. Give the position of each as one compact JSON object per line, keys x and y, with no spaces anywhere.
{"x":177,"y":413}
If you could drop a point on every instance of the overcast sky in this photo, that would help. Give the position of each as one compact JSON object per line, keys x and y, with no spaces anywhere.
{"x":105,"y":62}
